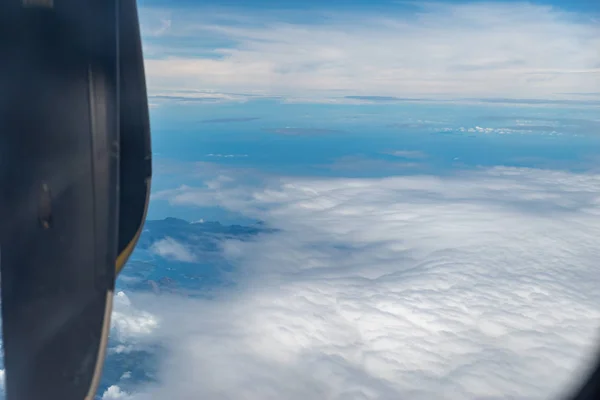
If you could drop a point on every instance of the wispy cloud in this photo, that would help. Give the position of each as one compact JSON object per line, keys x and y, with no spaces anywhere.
{"x":408,"y":154}
{"x":227,"y":155}
{"x":382,"y":98}
{"x":195,"y":96}
{"x":479,"y":49}
{"x":480,"y":285}
{"x":592,"y":94}
{"x":510,"y":130}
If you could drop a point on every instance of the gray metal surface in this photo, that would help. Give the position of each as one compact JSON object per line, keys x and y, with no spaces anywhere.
{"x":58,"y":193}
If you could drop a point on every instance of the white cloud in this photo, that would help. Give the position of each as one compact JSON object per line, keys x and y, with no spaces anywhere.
{"x":480,"y":285}
{"x":171,"y":249}
{"x":481,"y":49}
{"x":114,"y":392}
{"x":504,"y":131}
{"x":129,"y":322}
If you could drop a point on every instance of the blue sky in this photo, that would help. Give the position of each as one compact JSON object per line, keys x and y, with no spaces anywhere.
{"x":428,"y":190}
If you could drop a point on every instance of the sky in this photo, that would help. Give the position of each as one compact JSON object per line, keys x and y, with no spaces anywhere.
{"x":309,"y":51}
{"x":365,"y":199}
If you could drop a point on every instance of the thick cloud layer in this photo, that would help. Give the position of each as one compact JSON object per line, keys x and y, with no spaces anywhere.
{"x":482,"y":285}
